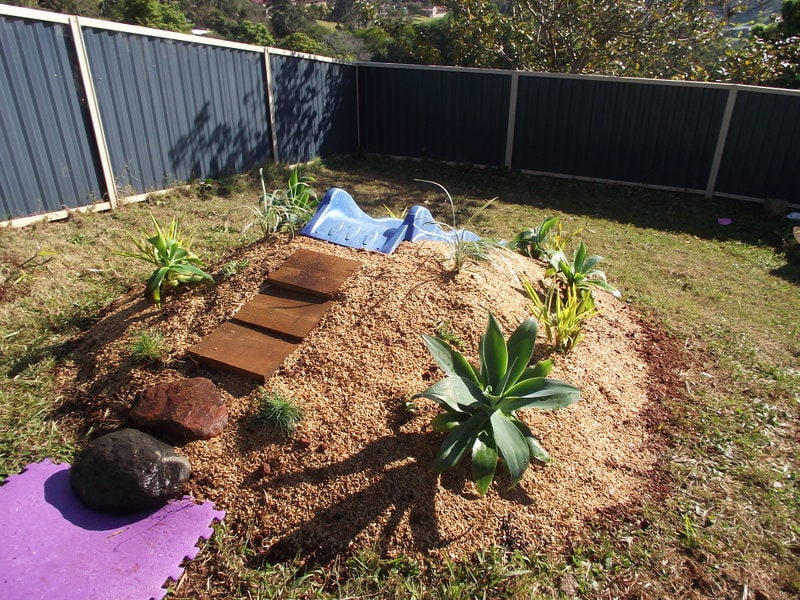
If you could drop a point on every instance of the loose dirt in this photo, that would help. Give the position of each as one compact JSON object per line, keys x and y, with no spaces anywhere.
{"x":357,"y":474}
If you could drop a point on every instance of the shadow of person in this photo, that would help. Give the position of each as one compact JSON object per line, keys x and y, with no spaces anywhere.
{"x":403,"y":486}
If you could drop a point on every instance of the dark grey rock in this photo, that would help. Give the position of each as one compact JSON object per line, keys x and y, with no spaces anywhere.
{"x":181,"y":411}
{"x":126,"y":471}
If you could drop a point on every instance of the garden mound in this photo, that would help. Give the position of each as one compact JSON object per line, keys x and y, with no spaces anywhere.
{"x":357,"y":473}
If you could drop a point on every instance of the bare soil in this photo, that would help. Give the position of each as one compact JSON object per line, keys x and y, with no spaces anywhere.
{"x":357,"y":474}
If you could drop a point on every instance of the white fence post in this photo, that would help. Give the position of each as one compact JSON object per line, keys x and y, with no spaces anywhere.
{"x":271,"y":106}
{"x":721,"y":139}
{"x":94,"y":111}
{"x":512,"y":118}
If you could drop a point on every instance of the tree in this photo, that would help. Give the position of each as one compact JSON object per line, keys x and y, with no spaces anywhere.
{"x":419,"y":43}
{"x":769,"y":55}
{"x":357,"y":13}
{"x":155,"y":14}
{"x":783,"y":40}
{"x":289,"y":16}
{"x":202,"y":12}
{"x":344,"y":45}
{"x":84,"y":8}
{"x":243,"y":31}
{"x":300,"y":42}
{"x":669,"y":38}
{"x":377,"y":41}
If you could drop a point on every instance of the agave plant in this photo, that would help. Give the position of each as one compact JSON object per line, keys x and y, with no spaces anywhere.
{"x":581,"y":272}
{"x":175,"y":263}
{"x":481,"y":403}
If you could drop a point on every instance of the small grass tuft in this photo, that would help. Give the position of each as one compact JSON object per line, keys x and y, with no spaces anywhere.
{"x":279,"y":411}
{"x":148,"y":346}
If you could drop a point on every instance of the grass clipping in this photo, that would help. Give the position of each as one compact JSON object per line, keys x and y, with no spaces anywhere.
{"x":357,"y":472}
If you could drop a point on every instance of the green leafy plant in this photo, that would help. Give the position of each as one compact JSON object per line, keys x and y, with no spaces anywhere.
{"x":581,"y":272}
{"x":535,"y":241}
{"x":286,"y":209}
{"x":481,"y":403}
{"x":231,"y":268}
{"x":559,"y":238}
{"x":169,"y":252}
{"x":562,"y":313}
{"x":280,"y":412}
{"x":444,"y":331}
{"x":469,"y":254}
{"x":80,"y":239}
{"x":465,"y":253}
{"x":148,"y":346}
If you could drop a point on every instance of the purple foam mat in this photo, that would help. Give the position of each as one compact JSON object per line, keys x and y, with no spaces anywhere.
{"x":53,"y":547}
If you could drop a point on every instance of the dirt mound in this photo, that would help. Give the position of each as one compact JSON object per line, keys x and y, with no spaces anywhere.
{"x":358,"y":471}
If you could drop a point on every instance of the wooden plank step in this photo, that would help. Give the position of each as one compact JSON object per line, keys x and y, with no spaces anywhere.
{"x":314,"y":273}
{"x":242,"y":350}
{"x":284,"y":312}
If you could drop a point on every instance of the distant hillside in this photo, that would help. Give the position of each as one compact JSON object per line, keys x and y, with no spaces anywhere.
{"x":761,"y":11}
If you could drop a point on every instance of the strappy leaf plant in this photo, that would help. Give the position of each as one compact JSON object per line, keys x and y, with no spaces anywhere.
{"x":581,"y":272}
{"x":481,"y":403}
{"x":535,"y":241}
{"x":169,"y":252}
{"x":560,"y":238}
{"x":465,"y":253}
{"x":286,"y":209}
{"x":561,"y":313}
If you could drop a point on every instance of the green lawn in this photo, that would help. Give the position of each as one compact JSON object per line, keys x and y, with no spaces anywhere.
{"x":728,"y":527}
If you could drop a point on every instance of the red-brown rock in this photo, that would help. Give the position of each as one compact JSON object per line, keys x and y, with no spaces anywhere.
{"x":181,"y":411}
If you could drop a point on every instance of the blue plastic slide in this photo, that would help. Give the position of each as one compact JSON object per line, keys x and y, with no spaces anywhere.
{"x":339,"y":220}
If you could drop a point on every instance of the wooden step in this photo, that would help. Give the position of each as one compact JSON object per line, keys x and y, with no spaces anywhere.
{"x":284,"y":312}
{"x":242,"y":350}
{"x":314,"y":273}
{"x":254,"y":343}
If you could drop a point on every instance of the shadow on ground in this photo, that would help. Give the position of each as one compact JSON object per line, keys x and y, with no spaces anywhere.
{"x":646,"y":208}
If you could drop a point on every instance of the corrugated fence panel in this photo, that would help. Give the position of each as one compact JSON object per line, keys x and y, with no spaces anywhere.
{"x":439,"y":114}
{"x":315,"y":108}
{"x":762,"y":151}
{"x":647,"y":133}
{"x":175,"y":111}
{"x":47,"y":159}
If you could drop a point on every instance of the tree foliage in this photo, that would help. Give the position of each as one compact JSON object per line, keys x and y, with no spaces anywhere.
{"x":289,"y":16}
{"x":769,"y":55}
{"x":614,"y":37}
{"x":243,"y":31}
{"x":155,"y":14}
{"x":673,"y":39}
{"x":782,"y":42}
{"x":357,"y":13}
{"x":300,"y":42}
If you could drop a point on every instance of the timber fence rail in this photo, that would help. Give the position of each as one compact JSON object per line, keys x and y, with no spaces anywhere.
{"x":93,"y":112}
